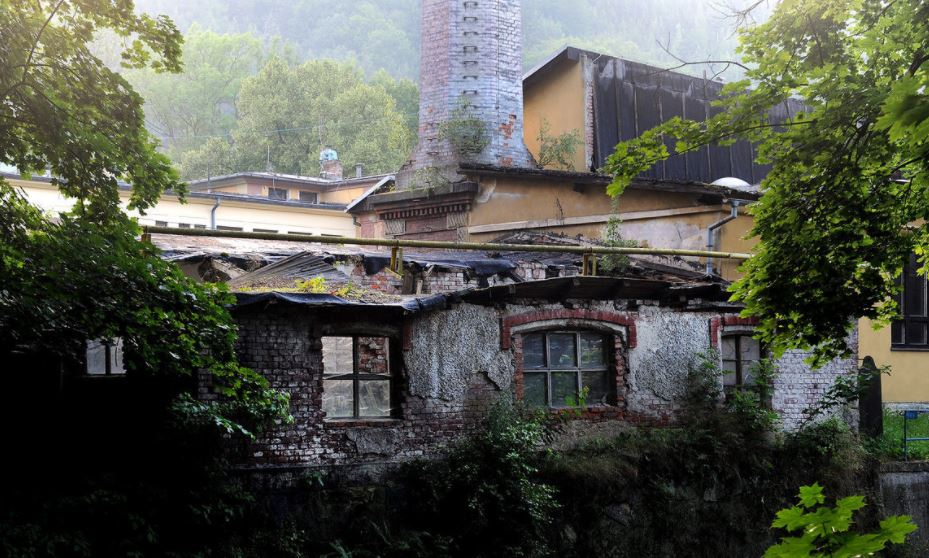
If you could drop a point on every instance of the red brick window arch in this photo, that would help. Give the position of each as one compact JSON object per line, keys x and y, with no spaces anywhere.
{"x":566,"y":358}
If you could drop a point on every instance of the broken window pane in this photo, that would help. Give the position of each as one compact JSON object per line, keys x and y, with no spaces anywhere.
{"x":727,"y":350}
{"x":373,"y":398}
{"x":534,"y":389}
{"x":561,"y":350}
{"x":373,"y":355}
{"x":592,"y":350}
{"x":751,"y":349}
{"x":730,"y":378}
{"x":598,"y":386}
{"x":337,"y":355}
{"x":564,"y":389}
{"x":350,"y":366}
{"x":338,"y":398}
{"x":534,"y":351}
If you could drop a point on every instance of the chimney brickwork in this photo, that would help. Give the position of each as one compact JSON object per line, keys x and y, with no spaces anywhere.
{"x":471,"y":64}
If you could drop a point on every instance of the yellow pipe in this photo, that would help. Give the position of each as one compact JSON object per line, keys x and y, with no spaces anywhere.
{"x":479,"y":246}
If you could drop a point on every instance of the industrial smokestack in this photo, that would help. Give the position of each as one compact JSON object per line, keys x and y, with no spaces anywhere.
{"x":471,"y":92}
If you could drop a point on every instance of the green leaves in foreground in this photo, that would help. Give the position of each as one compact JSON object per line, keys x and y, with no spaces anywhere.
{"x":825,"y":531}
{"x":847,"y":196}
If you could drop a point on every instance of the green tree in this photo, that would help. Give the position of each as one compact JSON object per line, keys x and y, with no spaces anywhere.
{"x":87,"y":276}
{"x":847,"y":196}
{"x":184,"y":109}
{"x":288,"y":114}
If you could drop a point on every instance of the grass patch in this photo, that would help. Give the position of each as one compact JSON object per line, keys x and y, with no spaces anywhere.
{"x":890,"y":444}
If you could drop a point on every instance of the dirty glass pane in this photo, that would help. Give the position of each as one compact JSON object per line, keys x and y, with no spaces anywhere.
{"x":751,"y":349}
{"x":116,"y":357}
{"x":730,"y":378}
{"x":561,"y":350}
{"x":593,"y":346}
{"x":96,"y":358}
{"x":598,"y":386}
{"x":727,"y":349}
{"x":373,"y":356}
{"x":337,"y":355}
{"x":534,"y":351}
{"x":338,"y":398}
{"x":373,"y":398}
{"x":564,"y":389}
{"x":534,"y":389}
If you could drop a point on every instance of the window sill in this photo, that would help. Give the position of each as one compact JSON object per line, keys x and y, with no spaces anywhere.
{"x":905,"y":348}
{"x":356,"y":422}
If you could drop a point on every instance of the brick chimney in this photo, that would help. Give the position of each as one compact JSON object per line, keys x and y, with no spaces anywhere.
{"x":471,"y":85}
{"x":329,"y":165}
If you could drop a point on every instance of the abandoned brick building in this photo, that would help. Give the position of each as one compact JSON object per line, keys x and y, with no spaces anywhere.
{"x":377,"y":376}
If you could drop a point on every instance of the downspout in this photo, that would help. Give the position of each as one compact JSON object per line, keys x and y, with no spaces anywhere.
{"x":712,"y":229}
{"x":213,"y":215}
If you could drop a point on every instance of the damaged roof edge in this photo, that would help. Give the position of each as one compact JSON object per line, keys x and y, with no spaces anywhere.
{"x":412,"y":305}
{"x":560,"y":288}
{"x":369,"y":191}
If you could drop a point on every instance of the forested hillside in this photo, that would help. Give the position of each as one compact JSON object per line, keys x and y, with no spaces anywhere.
{"x":233,"y":109}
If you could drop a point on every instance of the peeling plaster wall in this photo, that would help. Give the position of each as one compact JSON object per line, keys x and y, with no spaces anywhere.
{"x":668,"y":344}
{"x":449,"y":348}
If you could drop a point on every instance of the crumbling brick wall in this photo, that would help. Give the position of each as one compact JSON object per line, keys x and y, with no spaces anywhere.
{"x":450,"y":366}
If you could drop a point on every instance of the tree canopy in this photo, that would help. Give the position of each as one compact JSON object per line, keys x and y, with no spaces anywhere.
{"x":184,"y":109}
{"x":86,"y":275}
{"x":288,"y":114}
{"x":847,"y":197}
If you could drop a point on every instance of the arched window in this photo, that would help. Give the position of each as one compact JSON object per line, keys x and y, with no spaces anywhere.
{"x":567,"y":368}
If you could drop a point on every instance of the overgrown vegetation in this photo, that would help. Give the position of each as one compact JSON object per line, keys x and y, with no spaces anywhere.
{"x":465,"y":131}
{"x":557,"y":152}
{"x":709,"y":487}
{"x":612,"y":237}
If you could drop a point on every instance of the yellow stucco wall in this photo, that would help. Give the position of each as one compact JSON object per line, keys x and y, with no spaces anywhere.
{"x":248,"y":216}
{"x":909,"y":370}
{"x":345,"y":195}
{"x":559,"y":99}
{"x":656,"y":219}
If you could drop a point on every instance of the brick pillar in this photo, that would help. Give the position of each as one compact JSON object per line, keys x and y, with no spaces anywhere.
{"x":471,"y":57}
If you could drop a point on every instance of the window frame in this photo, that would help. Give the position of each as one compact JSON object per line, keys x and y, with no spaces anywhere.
{"x":111,"y":350}
{"x":274,"y":193}
{"x":607,"y":368}
{"x":907,"y":320}
{"x":739,"y":363}
{"x":315,"y":200}
{"x":356,"y":377}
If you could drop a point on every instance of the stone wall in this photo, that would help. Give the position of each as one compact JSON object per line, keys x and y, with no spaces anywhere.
{"x":450,"y":366}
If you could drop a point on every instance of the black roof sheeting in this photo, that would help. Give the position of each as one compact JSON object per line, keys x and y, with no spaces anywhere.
{"x":631,"y":97}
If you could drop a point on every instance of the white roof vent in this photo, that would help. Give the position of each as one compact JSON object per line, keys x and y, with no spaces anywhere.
{"x":732,"y":182}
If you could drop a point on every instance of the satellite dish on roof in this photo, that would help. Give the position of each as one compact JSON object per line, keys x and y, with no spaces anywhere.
{"x":731,"y":182}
